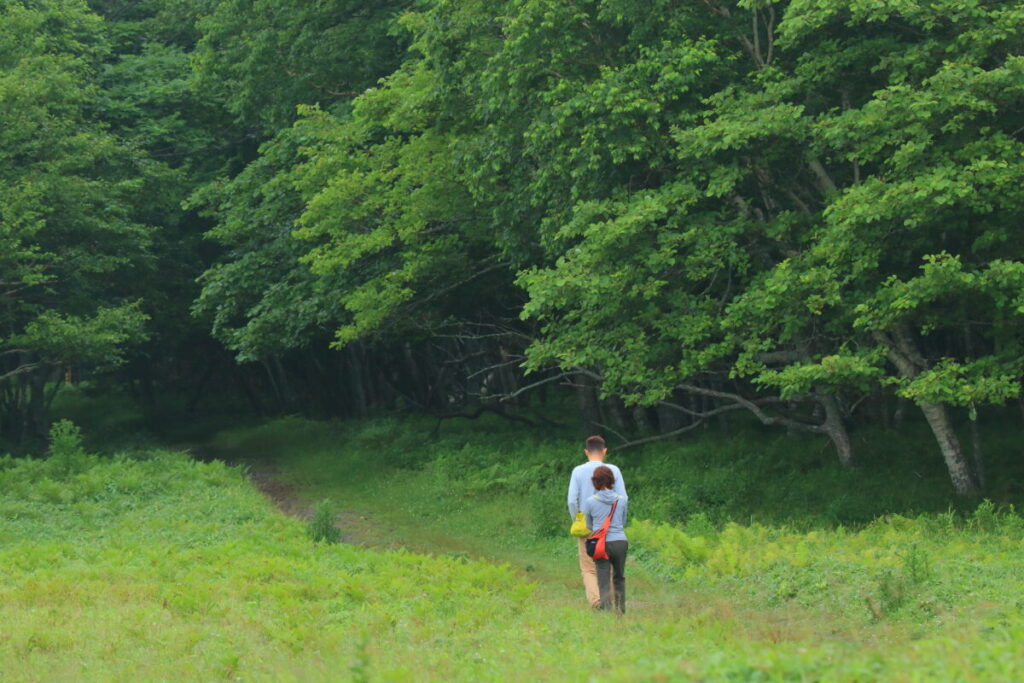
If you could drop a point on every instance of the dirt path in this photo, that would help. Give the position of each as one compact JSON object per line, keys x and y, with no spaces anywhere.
{"x":356,"y":528}
{"x":559,"y":581}
{"x":365,"y":518}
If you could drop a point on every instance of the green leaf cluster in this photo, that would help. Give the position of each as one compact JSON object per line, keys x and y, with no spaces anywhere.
{"x":70,"y":234}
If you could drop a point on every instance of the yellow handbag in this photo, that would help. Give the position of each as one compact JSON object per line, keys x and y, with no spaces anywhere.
{"x":579,"y":527}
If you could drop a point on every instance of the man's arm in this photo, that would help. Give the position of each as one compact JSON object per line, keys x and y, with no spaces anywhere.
{"x":574,"y":495}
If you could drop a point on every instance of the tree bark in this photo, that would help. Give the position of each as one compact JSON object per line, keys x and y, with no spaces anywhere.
{"x":835,"y":429}
{"x":900,"y":413}
{"x":979,"y":455}
{"x":243,"y":383}
{"x":670,"y":420}
{"x":35,"y":416}
{"x":356,"y":390}
{"x":642,"y":418}
{"x":903,"y":352}
{"x":616,"y":409}
{"x":590,"y":409}
{"x":197,"y":395}
{"x":959,"y":470}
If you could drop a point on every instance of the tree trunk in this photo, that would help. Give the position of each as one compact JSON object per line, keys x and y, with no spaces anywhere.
{"x":959,"y":470}
{"x":616,"y":410}
{"x":590,"y":408}
{"x":57,"y":381}
{"x":356,"y":390}
{"x":670,"y":419}
{"x":197,"y":395}
{"x":414,"y":384}
{"x":35,"y":415}
{"x":287,"y":395}
{"x":243,"y":383}
{"x":979,"y":456}
{"x":900,"y":413}
{"x":642,"y":418}
{"x":902,"y":351}
{"x":835,"y":428}
{"x":881,"y":406}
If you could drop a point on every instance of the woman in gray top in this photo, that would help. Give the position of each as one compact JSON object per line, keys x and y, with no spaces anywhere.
{"x":611,"y":573}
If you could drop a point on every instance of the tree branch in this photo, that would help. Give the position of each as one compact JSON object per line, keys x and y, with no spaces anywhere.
{"x":753,"y":407}
{"x":661,"y":437}
{"x":528,"y":387}
{"x":21,"y":370}
{"x":827,"y":185}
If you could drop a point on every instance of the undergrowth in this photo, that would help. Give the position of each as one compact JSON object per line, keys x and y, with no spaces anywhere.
{"x":919,"y":566}
{"x":151,"y":566}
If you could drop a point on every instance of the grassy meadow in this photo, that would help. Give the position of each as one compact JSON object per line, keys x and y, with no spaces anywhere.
{"x":150,"y":565}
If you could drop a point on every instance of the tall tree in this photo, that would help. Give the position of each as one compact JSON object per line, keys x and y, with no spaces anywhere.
{"x":846,"y":201}
{"x":67,"y":210}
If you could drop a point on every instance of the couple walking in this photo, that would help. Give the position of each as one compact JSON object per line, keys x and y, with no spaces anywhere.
{"x":598,"y":491}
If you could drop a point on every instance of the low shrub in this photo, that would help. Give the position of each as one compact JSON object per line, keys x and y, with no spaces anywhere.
{"x":322,"y":526}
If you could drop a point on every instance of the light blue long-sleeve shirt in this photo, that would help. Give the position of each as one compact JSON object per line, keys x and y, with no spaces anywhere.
{"x":581,"y":487}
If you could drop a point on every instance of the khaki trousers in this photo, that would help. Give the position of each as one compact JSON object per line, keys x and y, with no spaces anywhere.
{"x":589,"y":571}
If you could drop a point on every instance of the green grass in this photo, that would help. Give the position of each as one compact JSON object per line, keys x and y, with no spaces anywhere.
{"x":151,"y":566}
{"x":881,"y":592}
{"x":168,"y":568}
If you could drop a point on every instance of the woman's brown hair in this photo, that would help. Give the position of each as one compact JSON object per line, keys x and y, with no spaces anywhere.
{"x":603,"y":478}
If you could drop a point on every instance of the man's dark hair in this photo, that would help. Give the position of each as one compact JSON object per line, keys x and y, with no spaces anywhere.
{"x":595,"y":444}
{"x":603,"y":478}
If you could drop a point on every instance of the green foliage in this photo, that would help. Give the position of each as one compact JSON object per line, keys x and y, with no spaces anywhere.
{"x":99,"y":559}
{"x":899,"y":596}
{"x":809,"y":205}
{"x":322,"y":527}
{"x":66,"y":447}
{"x":897,"y":587}
{"x":70,"y":234}
{"x":797,"y":208}
{"x":263,"y":58}
{"x":259,"y":301}
{"x":99,"y":340}
{"x":233,"y":586}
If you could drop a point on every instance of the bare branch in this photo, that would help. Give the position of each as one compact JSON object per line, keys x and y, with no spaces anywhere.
{"x":757,"y":36}
{"x":661,"y":437}
{"x":491,"y":368}
{"x":718,"y":9}
{"x":21,"y":370}
{"x":455,"y":285}
{"x":528,"y":387}
{"x":753,"y":407}
{"x":612,"y":430}
{"x":716,"y":411}
{"x":825,"y":182}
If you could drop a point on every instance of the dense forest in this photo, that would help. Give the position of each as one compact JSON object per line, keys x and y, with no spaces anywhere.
{"x":670,"y":213}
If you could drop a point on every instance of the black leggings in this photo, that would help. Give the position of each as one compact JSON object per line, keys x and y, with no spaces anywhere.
{"x":613,"y":571}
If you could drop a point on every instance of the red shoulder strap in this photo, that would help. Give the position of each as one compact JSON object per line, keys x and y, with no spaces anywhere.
{"x":608,"y":519}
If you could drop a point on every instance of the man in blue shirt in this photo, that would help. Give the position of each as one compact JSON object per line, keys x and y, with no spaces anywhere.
{"x":581,"y":488}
